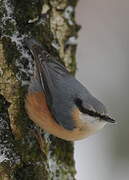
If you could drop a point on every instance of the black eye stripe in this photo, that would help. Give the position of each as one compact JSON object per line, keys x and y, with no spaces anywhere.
{"x":78,"y":102}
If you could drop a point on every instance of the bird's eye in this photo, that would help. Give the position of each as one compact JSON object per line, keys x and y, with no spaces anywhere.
{"x":78,"y":103}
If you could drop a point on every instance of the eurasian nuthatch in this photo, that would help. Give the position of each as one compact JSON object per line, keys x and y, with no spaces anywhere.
{"x":58,"y":102}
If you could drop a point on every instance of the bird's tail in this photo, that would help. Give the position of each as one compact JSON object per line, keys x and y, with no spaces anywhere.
{"x":37,"y":50}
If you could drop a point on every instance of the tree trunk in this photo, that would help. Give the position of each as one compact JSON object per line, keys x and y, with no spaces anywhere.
{"x":26,"y":152}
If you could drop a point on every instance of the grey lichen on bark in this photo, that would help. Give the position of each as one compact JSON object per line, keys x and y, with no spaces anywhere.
{"x":28,"y":152}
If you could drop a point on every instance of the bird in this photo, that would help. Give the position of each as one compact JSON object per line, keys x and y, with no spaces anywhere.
{"x":57,"y":102}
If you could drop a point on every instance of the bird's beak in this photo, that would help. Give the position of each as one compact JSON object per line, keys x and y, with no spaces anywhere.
{"x":108,"y":119}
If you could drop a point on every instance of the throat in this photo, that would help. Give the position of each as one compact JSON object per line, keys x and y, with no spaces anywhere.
{"x":88,"y":119}
{"x":91,"y":122}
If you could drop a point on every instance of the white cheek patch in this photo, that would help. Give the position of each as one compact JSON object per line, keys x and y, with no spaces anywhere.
{"x":88,"y":119}
{"x":92,"y":122}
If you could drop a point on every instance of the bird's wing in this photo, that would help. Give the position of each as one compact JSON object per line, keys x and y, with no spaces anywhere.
{"x":51,"y":74}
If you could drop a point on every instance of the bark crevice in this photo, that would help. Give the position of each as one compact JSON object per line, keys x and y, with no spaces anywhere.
{"x":33,"y":154}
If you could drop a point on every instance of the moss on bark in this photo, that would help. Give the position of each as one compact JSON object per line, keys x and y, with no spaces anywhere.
{"x":32,"y":154}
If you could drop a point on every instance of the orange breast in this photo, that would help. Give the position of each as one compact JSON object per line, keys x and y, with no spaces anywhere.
{"x":38,"y":111}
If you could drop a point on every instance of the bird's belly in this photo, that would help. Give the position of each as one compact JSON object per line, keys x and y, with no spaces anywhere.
{"x":38,"y":111}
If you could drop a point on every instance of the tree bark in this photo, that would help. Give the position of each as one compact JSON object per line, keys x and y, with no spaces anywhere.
{"x":26,"y":152}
